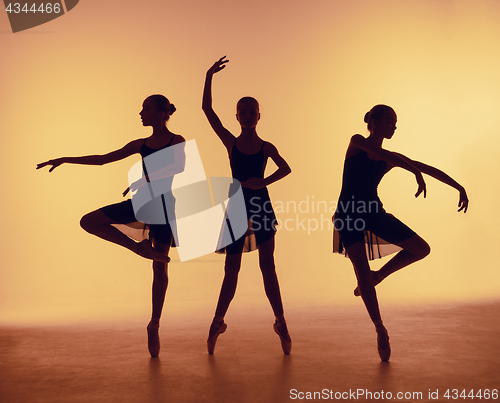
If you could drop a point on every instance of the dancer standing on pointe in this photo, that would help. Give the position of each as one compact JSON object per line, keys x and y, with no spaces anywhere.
{"x":248,"y":155}
{"x":156,"y":111}
{"x":364,"y":226}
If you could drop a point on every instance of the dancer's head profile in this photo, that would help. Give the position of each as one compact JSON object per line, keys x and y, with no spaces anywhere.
{"x":381,"y":120}
{"x":156,"y":109}
{"x":247,"y":112}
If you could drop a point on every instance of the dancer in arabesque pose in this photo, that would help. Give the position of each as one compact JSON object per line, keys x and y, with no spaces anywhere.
{"x":362,"y":228}
{"x":156,"y":111}
{"x":248,"y":155}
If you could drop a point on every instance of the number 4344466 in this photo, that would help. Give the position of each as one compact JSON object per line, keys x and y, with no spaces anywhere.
{"x":478,"y":394}
{"x":42,"y":8}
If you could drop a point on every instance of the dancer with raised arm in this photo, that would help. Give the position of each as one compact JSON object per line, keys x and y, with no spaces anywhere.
{"x":362,"y":228}
{"x":248,"y":155}
{"x":156,"y":111}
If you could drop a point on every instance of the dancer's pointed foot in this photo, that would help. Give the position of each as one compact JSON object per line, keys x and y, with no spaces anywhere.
{"x":153,"y":338}
{"x":282,"y":331}
{"x":375,"y":279}
{"x":384,"y":348}
{"x":145,"y":249}
{"x":215,"y":330}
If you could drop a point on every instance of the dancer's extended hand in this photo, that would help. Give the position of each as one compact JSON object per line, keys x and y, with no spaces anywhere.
{"x":217,"y":66}
{"x":55,"y":163}
{"x":421,"y":185}
{"x":463,"y":201}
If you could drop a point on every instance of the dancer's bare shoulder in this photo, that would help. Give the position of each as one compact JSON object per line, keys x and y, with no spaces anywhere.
{"x":359,"y":143}
{"x":269,"y":149}
{"x":354,"y":145}
{"x":178,"y":139}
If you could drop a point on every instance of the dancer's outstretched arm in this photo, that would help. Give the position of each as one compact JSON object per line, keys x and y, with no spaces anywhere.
{"x":463,"y":202}
{"x":225,"y":135}
{"x":391,"y":158}
{"x":124,"y":152}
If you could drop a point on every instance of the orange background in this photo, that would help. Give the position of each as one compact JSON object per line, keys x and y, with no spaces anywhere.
{"x":74,"y":86}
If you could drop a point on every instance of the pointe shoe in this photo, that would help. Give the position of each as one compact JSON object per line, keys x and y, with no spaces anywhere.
{"x":375,"y":279}
{"x":286,"y":341}
{"x":384,"y":348}
{"x":153,"y":339}
{"x":212,"y":340}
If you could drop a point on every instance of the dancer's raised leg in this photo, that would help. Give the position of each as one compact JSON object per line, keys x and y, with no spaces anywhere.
{"x":414,"y":249}
{"x":99,"y":224}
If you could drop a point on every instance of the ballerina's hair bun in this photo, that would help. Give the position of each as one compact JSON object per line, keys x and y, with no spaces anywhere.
{"x":163,"y":104}
{"x":377,"y":112}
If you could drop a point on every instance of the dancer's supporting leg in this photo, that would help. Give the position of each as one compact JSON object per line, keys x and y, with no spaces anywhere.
{"x":159,"y":289}
{"x":357,"y":255}
{"x":272,"y":288}
{"x":99,"y":224}
{"x":414,"y":249}
{"x":228,"y":289}
{"x":271,"y":285}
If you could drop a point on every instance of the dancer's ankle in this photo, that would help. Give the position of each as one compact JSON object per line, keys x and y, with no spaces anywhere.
{"x":280,"y":319}
{"x":218,"y":320}
{"x":154,"y":324}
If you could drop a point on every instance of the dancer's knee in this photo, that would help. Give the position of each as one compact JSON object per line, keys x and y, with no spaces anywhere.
{"x":231,"y":269}
{"x":364,"y":277}
{"x":232,"y":264}
{"x":363,"y":273}
{"x":160,"y":268}
{"x":417,"y":247}
{"x":425,"y":250}
{"x":86,"y":222}
{"x":421,"y":249}
{"x":267,"y":265}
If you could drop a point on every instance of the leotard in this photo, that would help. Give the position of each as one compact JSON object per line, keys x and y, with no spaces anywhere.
{"x":260,"y":213}
{"x":123,"y":213}
{"x":360,"y":216}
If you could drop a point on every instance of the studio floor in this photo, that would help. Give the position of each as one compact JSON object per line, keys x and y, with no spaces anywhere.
{"x":434,"y":349}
